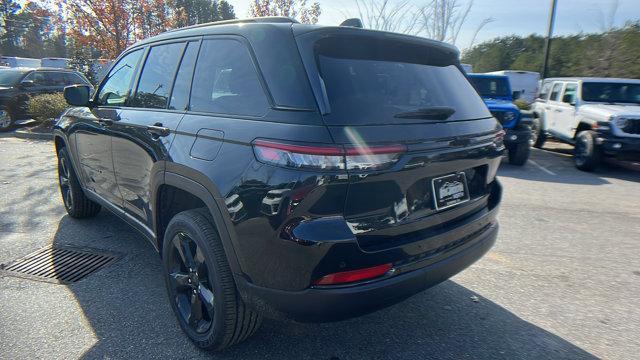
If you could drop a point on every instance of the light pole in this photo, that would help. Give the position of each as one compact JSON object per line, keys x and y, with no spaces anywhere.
{"x":547,"y":42}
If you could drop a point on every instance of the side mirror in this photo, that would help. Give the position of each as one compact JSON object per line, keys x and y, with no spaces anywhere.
{"x":77,"y":95}
{"x":516,"y":95}
{"x":26,"y":83}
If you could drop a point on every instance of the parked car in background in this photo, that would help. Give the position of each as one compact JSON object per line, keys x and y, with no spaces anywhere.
{"x":524,"y":84}
{"x":17,"y":85}
{"x":14,"y":61}
{"x":53,"y":62}
{"x":467,"y":68}
{"x":310,"y":173}
{"x":599,"y":116}
{"x":497,"y":95}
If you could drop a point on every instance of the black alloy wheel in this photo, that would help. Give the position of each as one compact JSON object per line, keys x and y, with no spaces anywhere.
{"x":63,"y":178}
{"x":190,"y":283}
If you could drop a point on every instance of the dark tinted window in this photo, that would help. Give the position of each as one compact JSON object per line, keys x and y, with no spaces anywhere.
{"x":182,"y":86}
{"x":555,"y":93}
{"x":611,"y":92}
{"x":491,"y":86}
{"x":157,"y":76}
{"x":46,"y":78}
{"x":10,"y":77}
{"x":73,"y":79}
{"x":115,"y":88}
{"x":371,"y":81}
{"x":226,"y":81}
{"x":569,"y":95}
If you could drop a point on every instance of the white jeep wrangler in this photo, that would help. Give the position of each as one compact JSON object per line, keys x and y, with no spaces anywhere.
{"x":599,"y":116}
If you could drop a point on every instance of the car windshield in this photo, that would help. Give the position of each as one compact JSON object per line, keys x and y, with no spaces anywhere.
{"x":611,"y":92}
{"x":10,"y":77}
{"x":371,"y":81}
{"x":490,"y":87}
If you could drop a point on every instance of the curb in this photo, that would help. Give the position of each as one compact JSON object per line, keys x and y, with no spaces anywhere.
{"x":21,"y":134}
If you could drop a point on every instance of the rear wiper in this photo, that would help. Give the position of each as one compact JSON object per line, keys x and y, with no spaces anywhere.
{"x":429,"y":113}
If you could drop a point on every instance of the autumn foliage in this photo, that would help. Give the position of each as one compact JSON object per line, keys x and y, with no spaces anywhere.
{"x":110,"y":26}
{"x":298,"y":9}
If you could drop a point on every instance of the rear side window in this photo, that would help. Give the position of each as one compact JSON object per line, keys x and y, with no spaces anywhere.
{"x":180,"y":93}
{"x":555,"y":93}
{"x":372,"y":81}
{"x":73,"y":79}
{"x":157,"y":76}
{"x":115,"y":88}
{"x":226,"y":81}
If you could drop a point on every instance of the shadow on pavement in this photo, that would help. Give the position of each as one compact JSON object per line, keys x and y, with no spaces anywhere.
{"x":127,"y":309}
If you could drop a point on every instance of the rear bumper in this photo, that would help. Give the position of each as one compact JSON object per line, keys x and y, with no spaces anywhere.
{"x":322,"y":304}
{"x":622,"y":148}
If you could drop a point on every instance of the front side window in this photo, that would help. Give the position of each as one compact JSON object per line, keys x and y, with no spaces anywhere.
{"x":555,"y":93}
{"x":226,"y":81}
{"x":570,"y":92}
{"x":115,"y":88}
{"x":157,"y":76}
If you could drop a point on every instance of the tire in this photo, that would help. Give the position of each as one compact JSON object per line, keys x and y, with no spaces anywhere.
{"x":539,"y":136}
{"x":586,"y":155}
{"x":519,"y":153}
{"x":200,"y":284}
{"x":75,"y":201}
{"x":6,"y":120}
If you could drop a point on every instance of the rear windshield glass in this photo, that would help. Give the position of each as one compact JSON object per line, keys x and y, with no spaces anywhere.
{"x":370,"y":81}
{"x":10,"y":77}
{"x":490,"y":87}
{"x":611,"y":92}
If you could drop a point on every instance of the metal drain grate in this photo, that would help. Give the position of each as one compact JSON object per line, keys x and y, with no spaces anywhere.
{"x":59,"y":264}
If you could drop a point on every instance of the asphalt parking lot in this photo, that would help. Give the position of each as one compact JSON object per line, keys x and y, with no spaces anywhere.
{"x":562,"y":282}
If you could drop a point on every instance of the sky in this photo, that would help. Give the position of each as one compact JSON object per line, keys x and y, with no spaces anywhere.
{"x":519,"y":17}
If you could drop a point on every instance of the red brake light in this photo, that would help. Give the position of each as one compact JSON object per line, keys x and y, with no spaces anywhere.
{"x":346,"y":277}
{"x":327,"y":157}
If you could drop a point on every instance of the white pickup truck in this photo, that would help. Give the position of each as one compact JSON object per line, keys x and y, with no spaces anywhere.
{"x":599,"y":116}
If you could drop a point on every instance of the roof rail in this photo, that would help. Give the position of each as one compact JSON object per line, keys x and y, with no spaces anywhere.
{"x":265,"y":19}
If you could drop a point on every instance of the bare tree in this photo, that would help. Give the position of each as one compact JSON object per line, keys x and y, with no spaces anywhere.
{"x":388,"y":15}
{"x":436,"y":19}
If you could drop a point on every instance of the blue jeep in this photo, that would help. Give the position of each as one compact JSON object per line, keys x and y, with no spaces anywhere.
{"x":496,"y":93}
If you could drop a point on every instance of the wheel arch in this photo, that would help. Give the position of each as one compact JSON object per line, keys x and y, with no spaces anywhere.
{"x":196,"y":194}
{"x":582,"y":126}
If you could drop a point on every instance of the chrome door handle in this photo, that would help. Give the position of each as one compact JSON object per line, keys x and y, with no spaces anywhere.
{"x":158,"y":130}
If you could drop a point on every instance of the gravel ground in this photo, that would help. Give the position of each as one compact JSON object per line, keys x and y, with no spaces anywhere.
{"x":562,"y":281}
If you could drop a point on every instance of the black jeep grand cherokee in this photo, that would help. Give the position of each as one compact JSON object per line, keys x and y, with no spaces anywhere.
{"x":287,"y":170}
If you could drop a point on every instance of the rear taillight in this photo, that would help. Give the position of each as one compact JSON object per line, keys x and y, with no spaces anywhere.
{"x":327,"y":157}
{"x":346,"y":277}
